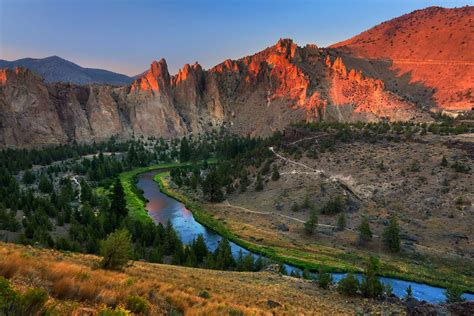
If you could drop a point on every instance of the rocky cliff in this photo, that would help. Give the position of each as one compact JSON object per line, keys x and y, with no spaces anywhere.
{"x":254,"y":95}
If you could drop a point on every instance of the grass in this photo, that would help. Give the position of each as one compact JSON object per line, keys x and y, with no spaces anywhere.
{"x":134,"y":198}
{"x":422,"y":270}
{"x":75,"y":285}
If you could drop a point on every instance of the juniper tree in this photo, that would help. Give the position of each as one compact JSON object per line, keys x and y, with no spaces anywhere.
{"x":116,"y":250}
{"x":365,"y":234}
{"x":275,"y":173}
{"x":391,"y":235}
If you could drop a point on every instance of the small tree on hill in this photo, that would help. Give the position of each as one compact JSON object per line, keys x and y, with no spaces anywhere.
{"x":341,"y":221}
{"x":259,"y":183}
{"x":454,"y":294}
{"x":184,"y":150}
{"x":371,"y":285}
{"x":275,"y":173}
{"x":348,"y":285}
{"x":391,"y":235}
{"x":116,"y":250}
{"x":311,"y":223}
{"x":444,"y":162}
{"x":365,"y":234}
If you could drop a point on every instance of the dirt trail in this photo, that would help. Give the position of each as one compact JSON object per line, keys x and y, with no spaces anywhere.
{"x":227,"y":204}
{"x":319,"y":172}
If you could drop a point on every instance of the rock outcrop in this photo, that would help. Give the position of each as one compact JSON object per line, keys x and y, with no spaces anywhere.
{"x":255,"y":95}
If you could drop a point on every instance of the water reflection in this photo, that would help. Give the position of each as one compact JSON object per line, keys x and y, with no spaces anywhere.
{"x":162,"y":209}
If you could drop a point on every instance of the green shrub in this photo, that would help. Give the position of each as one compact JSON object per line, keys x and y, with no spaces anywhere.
{"x":8,"y":297}
{"x":454,"y":294}
{"x":371,"y":285}
{"x":391,"y":235}
{"x":324,"y":280}
{"x":33,"y":300}
{"x":117,"y":311}
{"x":138,"y":305}
{"x":11,"y":303}
{"x":204,"y":294}
{"x":348,"y":285}
{"x":333,"y":206}
{"x":116,"y":250}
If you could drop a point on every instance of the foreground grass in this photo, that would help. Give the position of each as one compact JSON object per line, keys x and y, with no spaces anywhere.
{"x":77,"y":287}
{"x":315,"y":257}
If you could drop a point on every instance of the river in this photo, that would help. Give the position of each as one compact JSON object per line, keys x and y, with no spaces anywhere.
{"x":163,"y":208}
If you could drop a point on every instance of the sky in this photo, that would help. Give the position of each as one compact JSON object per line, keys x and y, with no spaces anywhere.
{"x":126,"y":36}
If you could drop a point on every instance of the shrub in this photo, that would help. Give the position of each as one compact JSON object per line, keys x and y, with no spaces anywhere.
{"x":116,"y":250}
{"x":333,"y":206}
{"x":117,"y":311}
{"x":348,"y":285}
{"x":295,"y":207}
{"x":371,"y":285}
{"x":204,"y":294}
{"x":138,"y":305}
{"x":365,"y":234}
{"x":391,"y":235}
{"x":324,"y":280}
{"x":409,"y":293}
{"x":275,"y":173}
{"x":32,"y":302}
{"x":11,"y":303}
{"x":311,"y":223}
{"x":454,"y":294}
{"x":8,"y":297}
{"x":388,"y":290}
{"x":341,"y":221}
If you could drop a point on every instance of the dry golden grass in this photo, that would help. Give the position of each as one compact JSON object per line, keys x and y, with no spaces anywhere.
{"x":78,"y":288}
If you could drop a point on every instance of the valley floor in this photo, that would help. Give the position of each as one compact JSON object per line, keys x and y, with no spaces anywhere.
{"x":432,"y":203}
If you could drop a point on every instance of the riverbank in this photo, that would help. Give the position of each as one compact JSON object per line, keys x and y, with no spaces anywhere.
{"x":325,"y":258}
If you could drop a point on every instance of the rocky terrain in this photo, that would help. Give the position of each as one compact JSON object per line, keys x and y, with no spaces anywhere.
{"x":254,"y":95}
{"x":427,"y":56}
{"x":57,"y":69}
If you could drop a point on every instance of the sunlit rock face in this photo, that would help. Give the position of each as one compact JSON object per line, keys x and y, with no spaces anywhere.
{"x":255,"y":95}
{"x":426,"y":56}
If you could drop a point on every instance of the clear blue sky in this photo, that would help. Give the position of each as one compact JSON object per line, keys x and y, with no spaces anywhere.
{"x":126,"y":36}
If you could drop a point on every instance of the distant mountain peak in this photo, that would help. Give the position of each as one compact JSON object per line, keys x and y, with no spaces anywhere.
{"x":57,"y":69}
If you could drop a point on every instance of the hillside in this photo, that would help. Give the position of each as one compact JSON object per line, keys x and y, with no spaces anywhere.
{"x":76,"y":287}
{"x":57,"y":69}
{"x":432,"y":47}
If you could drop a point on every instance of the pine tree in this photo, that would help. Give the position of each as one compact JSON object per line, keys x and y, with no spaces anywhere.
{"x":45,"y":185}
{"x":311,"y":223}
{"x":371,"y":285}
{"x":275,"y":173}
{"x":185,"y":151}
{"x":454,"y":294}
{"x":118,"y":205}
{"x":200,"y":248}
{"x":341,"y":222}
{"x":409,"y":293}
{"x":391,"y":235}
{"x":259,"y":183}
{"x":212,"y":187}
{"x":365,"y":234}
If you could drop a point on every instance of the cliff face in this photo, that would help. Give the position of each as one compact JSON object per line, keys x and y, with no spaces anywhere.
{"x":254,"y":95}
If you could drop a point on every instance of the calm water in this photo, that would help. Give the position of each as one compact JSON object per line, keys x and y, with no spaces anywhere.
{"x":162,"y":209}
